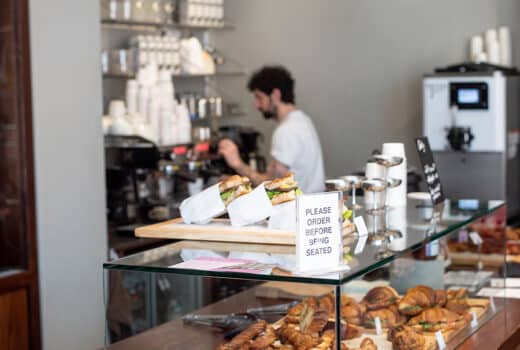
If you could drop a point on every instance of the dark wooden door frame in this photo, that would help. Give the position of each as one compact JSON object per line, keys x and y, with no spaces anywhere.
{"x":28,"y":278}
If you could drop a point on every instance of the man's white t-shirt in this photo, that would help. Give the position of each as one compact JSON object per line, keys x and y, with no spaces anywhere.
{"x":296,"y":144}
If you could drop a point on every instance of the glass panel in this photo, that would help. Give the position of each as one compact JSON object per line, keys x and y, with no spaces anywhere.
{"x":11,"y":231}
{"x":415,"y":293}
{"x":195,"y":312}
{"x":413,"y":224}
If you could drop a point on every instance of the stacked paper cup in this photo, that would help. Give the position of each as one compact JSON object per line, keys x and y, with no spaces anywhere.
{"x":504,"y":42}
{"x":396,"y":196}
{"x":492,"y":48}
{"x":374,"y":171}
{"x":476,"y":48}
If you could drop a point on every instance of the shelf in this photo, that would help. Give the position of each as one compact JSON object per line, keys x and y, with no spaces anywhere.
{"x":133,"y":25}
{"x":418,"y":232}
{"x":177,"y":76}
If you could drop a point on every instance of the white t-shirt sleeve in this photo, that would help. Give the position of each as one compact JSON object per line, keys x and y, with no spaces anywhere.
{"x":284,"y":148}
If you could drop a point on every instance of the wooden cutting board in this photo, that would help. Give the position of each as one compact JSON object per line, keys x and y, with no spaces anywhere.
{"x":220,"y":230}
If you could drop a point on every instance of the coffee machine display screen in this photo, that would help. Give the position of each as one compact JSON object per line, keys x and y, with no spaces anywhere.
{"x":469,"y":95}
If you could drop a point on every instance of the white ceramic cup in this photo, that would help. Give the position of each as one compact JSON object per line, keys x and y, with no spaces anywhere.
{"x":395,"y":149}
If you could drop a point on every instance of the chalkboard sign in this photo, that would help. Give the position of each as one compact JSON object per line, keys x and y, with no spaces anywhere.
{"x":431,"y":175}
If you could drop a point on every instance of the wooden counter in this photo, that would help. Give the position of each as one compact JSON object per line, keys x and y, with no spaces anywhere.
{"x":501,"y":332}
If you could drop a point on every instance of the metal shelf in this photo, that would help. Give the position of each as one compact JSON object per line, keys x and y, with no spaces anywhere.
{"x":133,"y":25}
{"x":177,"y":76}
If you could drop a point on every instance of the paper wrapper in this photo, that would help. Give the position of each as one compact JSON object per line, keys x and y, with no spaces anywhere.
{"x":250,"y":208}
{"x":283,"y":217}
{"x":202,"y":207}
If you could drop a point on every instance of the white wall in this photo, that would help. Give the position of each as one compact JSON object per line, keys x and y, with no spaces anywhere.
{"x":70,"y":195}
{"x":357,"y":64}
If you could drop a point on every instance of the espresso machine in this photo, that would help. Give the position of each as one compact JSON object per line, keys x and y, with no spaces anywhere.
{"x":471,"y":118}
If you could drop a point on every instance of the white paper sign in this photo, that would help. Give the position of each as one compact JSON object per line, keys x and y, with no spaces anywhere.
{"x":492,"y":303}
{"x":475,"y":238}
{"x":440,"y":340}
{"x":318,"y":236}
{"x":474,"y":321}
{"x":379,"y":329}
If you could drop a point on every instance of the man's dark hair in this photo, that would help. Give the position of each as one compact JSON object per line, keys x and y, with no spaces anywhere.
{"x":269,"y":78}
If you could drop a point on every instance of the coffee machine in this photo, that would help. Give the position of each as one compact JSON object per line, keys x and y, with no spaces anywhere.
{"x":471,"y":118}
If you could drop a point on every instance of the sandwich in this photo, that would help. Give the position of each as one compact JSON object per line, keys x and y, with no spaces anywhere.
{"x":380,"y":297}
{"x":405,"y":338}
{"x":234,"y":187}
{"x":437,"y":319}
{"x":389,"y":317}
{"x":281,"y":190}
{"x":417,"y":299}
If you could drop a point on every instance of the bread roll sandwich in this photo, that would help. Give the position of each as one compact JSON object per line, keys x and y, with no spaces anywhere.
{"x":282,"y":190}
{"x":437,"y":319}
{"x":234,"y":187}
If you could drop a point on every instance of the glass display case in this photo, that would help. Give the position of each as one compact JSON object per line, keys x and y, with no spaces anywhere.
{"x":399,"y":288}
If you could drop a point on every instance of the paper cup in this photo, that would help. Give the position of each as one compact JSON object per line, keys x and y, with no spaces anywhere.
{"x":202,"y":207}
{"x":393,"y":149}
{"x":250,"y":208}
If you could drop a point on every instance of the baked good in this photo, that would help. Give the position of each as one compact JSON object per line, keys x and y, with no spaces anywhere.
{"x":440,"y":297}
{"x":457,"y":300}
{"x":367,"y":344}
{"x":405,"y":338}
{"x":416,"y":300}
{"x":437,"y":319}
{"x":380,"y":297}
{"x":352,"y":311}
{"x":234,"y":187}
{"x":244,"y":337}
{"x":389,"y":317}
{"x":282,"y":189}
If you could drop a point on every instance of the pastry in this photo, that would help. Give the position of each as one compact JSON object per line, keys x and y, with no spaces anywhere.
{"x":352,"y":311}
{"x":242,"y":339}
{"x":367,"y":344}
{"x":440,"y":297}
{"x":313,"y":320}
{"x":380,"y":297}
{"x":301,"y":341}
{"x":437,"y":319}
{"x":405,"y":338}
{"x":389,"y":317}
{"x":264,"y":340}
{"x":294,"y":313}
{"x":457,"y":300}
{"x":416,"y":300}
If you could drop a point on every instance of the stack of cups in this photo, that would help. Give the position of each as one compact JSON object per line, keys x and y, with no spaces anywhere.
{"x":504,"y":41}
{"x":374,"y":171}
{"x":492,"y":48}
{"x":397,"y":195}
{"x":477,"y":49}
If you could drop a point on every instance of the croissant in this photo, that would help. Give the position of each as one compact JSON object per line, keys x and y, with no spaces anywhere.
{"x":367,"y":344}
{"x":405,"y":338}
{"x":416,"y":300}
{"x":457,"y":300}
{"x":301,"y":341}
{"x":294,"y":314}
{"x":380,"y":297}
{"x":264,"y":340}
{"x":389,"y":317}
{"x":352,"y":311}
{"x":440,"y":297}
{"x":436,"y":319}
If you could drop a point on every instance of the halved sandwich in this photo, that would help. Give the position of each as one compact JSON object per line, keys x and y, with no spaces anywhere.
{"x":282,"y":190}
{"x":438,"y":319}
{"x":234,"y":187}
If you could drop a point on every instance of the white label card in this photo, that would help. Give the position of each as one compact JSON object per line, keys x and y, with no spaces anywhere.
{"x":492,"y":304}
{"x":440,"y":340}
{"x":379,"y":329}
{"x":362,"y":234}
{"x":474,"y":321}
{"x":318,"y":236}
{"x":475,"y":238}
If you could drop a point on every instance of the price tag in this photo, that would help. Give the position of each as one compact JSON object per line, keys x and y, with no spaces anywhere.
{"x":492,"y":304}
{"x":475,"y":238}
{"x":379,"y":329}
{"x":318,"y":245}
{"x":362,"y":233}
{"x":474,"y":321}
{"x":440,"y":340}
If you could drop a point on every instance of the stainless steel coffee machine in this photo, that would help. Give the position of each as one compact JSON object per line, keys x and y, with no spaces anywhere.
{"x":471,"y":118}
